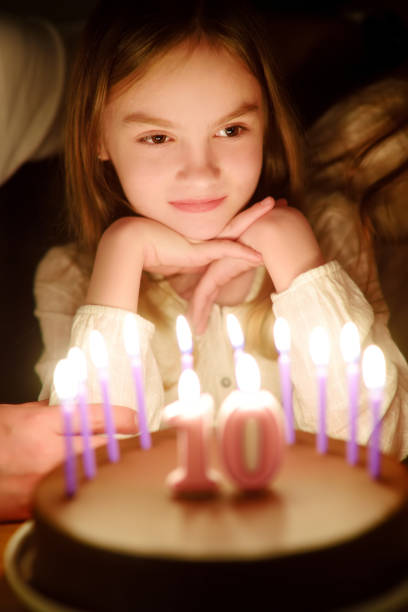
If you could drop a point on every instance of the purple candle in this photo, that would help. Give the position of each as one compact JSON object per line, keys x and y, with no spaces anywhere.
{"x":132,"y":345}
{"x":185,"y":342}
{"x":350,"y":348}
{"x":99,"y":357}
{"x":65,"y":386}
{"x":374,"y":374}
{"x":77,"y":358}
{"x":320,"y":352}
{"x":281,"y":332}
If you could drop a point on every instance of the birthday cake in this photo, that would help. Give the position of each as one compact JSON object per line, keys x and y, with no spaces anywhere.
{"x":323,"y":535}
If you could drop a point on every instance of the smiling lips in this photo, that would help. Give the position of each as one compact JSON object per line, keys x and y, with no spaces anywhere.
{"x":197,"y":206}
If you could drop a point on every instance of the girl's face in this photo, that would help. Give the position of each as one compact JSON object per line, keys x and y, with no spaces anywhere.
{"x":186,"y":139}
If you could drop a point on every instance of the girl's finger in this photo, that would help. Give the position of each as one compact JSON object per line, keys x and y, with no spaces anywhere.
{"x":206,"y":252}
{"x":244,"y":219}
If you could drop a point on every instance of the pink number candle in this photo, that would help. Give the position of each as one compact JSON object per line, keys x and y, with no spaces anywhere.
{"x":78,"y":361}
{"x":251,"y":430}
{"x":185,"y":342}
{"x":374,"y":373}
{"x":235,"y":335}
{"x":281,"y":332}
{"x":192,"y":416}
{"x":132,"y":345}
{"x":66,"y":388}
{"x":99,"y":356}
{"x":320,"y":352}
{"x":350,"y":348}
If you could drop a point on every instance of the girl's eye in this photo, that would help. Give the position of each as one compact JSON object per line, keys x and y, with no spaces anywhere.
{"x":231,"y":131}
{"x":155,"y":139}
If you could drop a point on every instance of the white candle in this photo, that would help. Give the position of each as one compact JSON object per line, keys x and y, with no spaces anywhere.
{"x":99,"y":356}
{"x":78,"y":361}
{"x":320,"y":353}
{"x":66,"y":388}
{"x":281,"y":333}
{"x":251,"y":429}
{"x":185,"y":342}
{"x":374,"y":374}
{"x":235,"y":335}
{"x":192,"y":416}
{"x":350,"y":348}
{"x":132,"y":345}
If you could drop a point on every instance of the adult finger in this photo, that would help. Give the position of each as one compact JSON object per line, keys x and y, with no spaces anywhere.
{"x":211,"y":250}
{"x":244,"y":219}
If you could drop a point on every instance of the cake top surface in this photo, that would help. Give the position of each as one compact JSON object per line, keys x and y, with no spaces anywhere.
{"x":316,"y":501}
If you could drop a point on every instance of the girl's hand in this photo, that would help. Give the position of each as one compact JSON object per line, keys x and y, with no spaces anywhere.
{"x":32,"y":443}
{"x":220,"y":272}
{"x":132,"y":244}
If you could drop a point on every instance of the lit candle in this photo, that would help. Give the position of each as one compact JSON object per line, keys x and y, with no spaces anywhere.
{"x":132,"y":345}
{"x":320,"y":352}
{"x":350,"y":348}
{"x":78,"y":361}
{"x":185,"y":342}
{"x":235,"y":335}
{"x":191,"y":415}
{"x":99,"y":356}
{"x":251,"y":430}
{"x":281,"y":332}
{"x":66,"y":388}
{"x":374,"y":373}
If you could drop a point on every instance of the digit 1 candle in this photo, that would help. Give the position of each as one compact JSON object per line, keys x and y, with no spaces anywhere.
{"x":66,"y":388}
{"x":281,"y":333}
{"x":132,"y":345}
{"x":320,"y":352}
{"x":235,"y":335}
{"x":374,"y":373}
{"x":185,"y":342}
{"x":191,"y":415}
{"x":251,"y":430}
{"x":350,"y":348}
{"x":77,"y":358}
{"x":99,"y":356}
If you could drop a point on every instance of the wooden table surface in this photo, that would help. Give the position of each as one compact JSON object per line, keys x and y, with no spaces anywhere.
{"x":8,"y":601}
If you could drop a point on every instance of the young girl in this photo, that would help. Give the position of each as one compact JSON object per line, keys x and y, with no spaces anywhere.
{"x":178,"y":141}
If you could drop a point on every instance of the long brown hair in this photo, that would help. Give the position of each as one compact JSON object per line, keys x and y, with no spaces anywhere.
{"x":119,"y":43}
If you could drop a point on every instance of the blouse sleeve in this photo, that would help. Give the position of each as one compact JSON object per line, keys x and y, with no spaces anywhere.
{"x":60,"y":286}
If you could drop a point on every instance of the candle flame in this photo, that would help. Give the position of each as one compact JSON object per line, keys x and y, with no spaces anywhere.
{"x":77,"y":358}
{"x":65,"y":380}
{"x":281,"y":334}
{"x":319,"y":346}
{"x":350,"y":342}
{"x":235,"y":332}
{"x":131,"y":335}
{"x":184,"y":337}
{"x":99,"y":352}
{"x":188,"y":387}
{"x":374,"y":369}
{"x":247,"y":374}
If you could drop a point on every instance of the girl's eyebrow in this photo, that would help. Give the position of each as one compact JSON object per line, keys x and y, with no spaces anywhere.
{"x":139,"y":117}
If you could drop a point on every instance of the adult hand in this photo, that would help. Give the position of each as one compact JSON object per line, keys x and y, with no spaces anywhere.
{"x":32,"y":443}
{"x":222,"y":271}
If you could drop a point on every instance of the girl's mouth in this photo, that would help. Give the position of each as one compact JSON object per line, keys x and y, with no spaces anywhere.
{"x":197,"y":206}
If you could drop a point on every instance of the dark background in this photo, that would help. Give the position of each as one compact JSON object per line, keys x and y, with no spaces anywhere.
{"x":325,"y":50}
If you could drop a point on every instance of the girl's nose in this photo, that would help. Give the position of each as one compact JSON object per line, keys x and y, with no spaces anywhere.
{"x":198,"y":164}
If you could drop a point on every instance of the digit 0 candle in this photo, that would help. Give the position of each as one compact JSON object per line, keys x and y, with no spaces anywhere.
{"x":66,"y":388}
{"x":132,"y":345}
{"x":77,"y":359}
{"x":350,"y":348}
{"x":251,"y":430}
{"x":185,"y":342}
{"x":374,"y":373}
{"x":99,"y":356}
{"x":281,"y":333}
{"x":320,"y":352}
{"x":192,"y":417}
